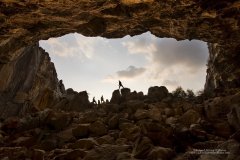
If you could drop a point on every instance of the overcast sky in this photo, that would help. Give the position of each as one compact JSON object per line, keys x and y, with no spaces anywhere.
{"x":96,"y":64}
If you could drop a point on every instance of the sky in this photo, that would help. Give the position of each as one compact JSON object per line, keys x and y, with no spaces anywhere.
{"x":95,"y":64}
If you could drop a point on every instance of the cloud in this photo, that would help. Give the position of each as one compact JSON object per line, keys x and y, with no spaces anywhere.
{"x":167,"y":53}
{"x":131,"y":72}
{"x":72,"y":45}
{"x":172,"y":83}
{"x":142,"y":44}
{"x":192,"y":54}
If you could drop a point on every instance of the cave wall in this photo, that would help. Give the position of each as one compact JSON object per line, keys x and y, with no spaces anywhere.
{"x":223,"y":68}
{"x":28,"y":83}
{"x":24,"y":23}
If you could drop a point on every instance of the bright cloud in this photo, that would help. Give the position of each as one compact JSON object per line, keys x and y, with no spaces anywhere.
{"x":131,"y":72}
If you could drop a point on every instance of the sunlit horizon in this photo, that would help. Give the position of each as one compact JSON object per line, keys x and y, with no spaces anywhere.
{"x":95,"y":64}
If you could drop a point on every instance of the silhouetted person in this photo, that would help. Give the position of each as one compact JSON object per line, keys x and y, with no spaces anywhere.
{"x":99,"y":102}
{"x":94,"y":101}
{"x":120,"y":84}
{"x":102,"y":100}
{"x":61,"y":86}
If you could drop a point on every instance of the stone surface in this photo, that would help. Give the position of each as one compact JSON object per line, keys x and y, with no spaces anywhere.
{"x":190,"y":117}
{"x":144,"y":124}
{"x":58,"y":121}
{"x":29,"y":83}
{"x":161,"y":153}
{"x":157,"y":92}
{"x":25,"y":23}
{"x":81,"y":131}
{"x":98,"y":128}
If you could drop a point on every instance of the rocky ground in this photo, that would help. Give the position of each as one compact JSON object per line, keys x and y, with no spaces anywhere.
{"x":157,"y":126}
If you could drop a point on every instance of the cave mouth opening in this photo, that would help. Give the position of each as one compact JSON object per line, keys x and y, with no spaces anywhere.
{"x":95,"y":64}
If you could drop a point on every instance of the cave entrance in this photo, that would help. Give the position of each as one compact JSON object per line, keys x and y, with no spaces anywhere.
{"x":96,"y":64}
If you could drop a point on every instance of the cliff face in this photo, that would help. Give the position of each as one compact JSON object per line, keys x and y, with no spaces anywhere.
{"x":28,"y":83}
{"x":223,"y":67}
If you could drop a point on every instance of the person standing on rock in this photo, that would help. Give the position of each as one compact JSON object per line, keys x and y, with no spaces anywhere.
{"x":120,"y":84}
{"x":94,"y":101}
{"x":102,"y":100}
{"x":61,"y":86}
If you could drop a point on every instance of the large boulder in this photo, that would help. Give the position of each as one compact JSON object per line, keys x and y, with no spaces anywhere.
{"x":141,"y":114}
{"x":125,"y":92}
{"x":85,"y":144}
{"x":157,"y":93}
{"x":142,"y":148}
{"x":219,"y":107}
{"x":113,"y":122}
{"x":58,"y":120}
{"x":81,"y":131}
{"x":116,"y":97}
{"x":190,"y":117}
{"x":129,"y":131}
{"x":157,"y":132}
{"x":162,"y":153}
{"x":106,"y":152}
{"x":73,"y":154}
{"x":79,"y":102}
{"x":234,"y":117}
{"x":98,"y":128}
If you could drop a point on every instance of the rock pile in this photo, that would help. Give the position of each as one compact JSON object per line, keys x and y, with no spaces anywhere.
{"x":154,"y":126}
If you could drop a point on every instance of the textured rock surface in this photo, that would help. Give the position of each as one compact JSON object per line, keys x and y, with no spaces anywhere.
{"x":24,"y":23}
{"x":140,"y":129}
{"x":28,"y":83}
{"x":157,"y":126}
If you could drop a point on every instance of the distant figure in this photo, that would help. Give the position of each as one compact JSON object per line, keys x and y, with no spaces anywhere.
{"x":94,"y":101}
{"x":102,"y":100}
{"x":99,"y":102}
{"x":61,"y":86}
{"x":120,"y":84}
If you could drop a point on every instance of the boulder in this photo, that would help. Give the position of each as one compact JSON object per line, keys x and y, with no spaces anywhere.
{"x":158,"y":133}
{"x":190,"y":117}
{"x":113,"y":122}
{"x":155,"y":114}
{"x":129,"y":131}
{"x":24,"y":141}
{"x":169,"y":112}
{"x":86,"y":144}
{"x":125,"y":92}
{"x":161,"y":153}
{"x":222,"y":129}
{"x":79,"y":102}
{"x":9,"y":153}
{"x":116,"y":97}
{"x":107,"y":139}
{"x":81,"y":131}
{"x":142,"y":148}
{"x":124,"y":156}
{"x":141,"y":114}
{"x":58,"y":120}
{"x":98,"y":128}
{"x":48,"y":144}
{"x":234,"y":117}
{"x":157,"y":93}
{"x":106,"y":152}
{"x":74,"y":154}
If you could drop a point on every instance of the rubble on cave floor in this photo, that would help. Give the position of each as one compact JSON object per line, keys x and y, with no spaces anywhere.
{"x":131,"y":126}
